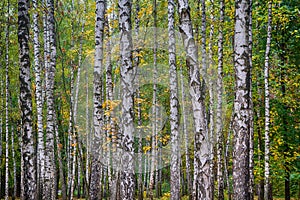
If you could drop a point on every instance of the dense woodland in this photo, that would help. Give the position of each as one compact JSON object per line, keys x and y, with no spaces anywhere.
{"x":161,"y":99}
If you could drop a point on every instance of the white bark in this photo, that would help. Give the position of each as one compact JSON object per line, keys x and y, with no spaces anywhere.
{"x":202,"y":178}
{"x":127,"y":74}
{"x":49,"y":190}
{"x":267,"y":106}
{"x":98,"y":118}
{"x":6,"y":103}
{"x":14,"y":161}
{"x":174,"y":106}
{"x":219,"y":124}
{"x":39,"y":101}
{"x":153,"y":171}
{"x":28,"y":150}
{"x":242,"y":102}
{"x":211,"y":83}
{"x":186,"y":137}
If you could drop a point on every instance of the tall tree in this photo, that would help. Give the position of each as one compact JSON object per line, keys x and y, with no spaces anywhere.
{"x":267,"y":106}
{"x":28,"y":149}
{"x":49,"y":186}
{"x":174,"y":109}
{"x":6,"y":103}
{"x":98,"y":118}
{"x":38,"y":97}
{"x":202,"y":178}
{"x":219,"y":124}
{"x":242,"y":102}
{"x":127,"y":75}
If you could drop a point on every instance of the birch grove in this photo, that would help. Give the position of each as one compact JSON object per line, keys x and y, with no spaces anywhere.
{"x":136,"y":99}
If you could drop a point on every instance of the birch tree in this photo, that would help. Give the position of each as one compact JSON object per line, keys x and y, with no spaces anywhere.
{"x":38,"y":97}
{"x":219,"y":124}
{"x":6,"y":103}
{"x":174,"y":110}
{"x":49,"y":189}
{"x":267,"y":187}
{"x":202,"y":178}
{"x":28,"y":149}
{"x":98,"y":118}
{"x":127,"y":74}
{"x":242,"y":102}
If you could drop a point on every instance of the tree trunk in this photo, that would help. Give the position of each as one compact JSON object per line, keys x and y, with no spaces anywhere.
{"x":242,"y":102}
{"x":50,"y":171}
{"x":153,"y":171}
{"x":14,"y":195}
{"x":39,"y":101}
{"x":186,"y":137}
{"x":127,"y":74}
{"x":95,"y":184}
{"x":6,"y":104}
{"x":139,"y":112}
{"x":174,"y":110}
{"x":211,"y":83}
{"x":227,"y":158}
{"x":60,"y":160}
{"x":202,"y":178}
{"x":219,"y":125}
{"x":28,"y":149}
{"x":267,"y":107}
{"x":251,"y":135}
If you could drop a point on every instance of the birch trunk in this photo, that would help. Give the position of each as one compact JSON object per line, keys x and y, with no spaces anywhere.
{"x":251,"y":135}
{"x":202,"y":178}
{"x":50,"y":171}
{"x":72,"y":122}
{"x":242,"y":102}
{"x":127,"y":75}
{"x":186,"y":137}
{"x":212,"y":136}
{"x":60,"y":160}
{"x":140,"y":150}
{"x":98,"y":118}
{"x":39,"y":102}
{"x":28,"y":149}
{"x":174,"y":110}
{"x":6,"y":103}
{"x":219,"y":125}
{"x":14,"y":195}
{"x":154,"y":107}
{"x":267,"y":106}
{"x":227,"y":158}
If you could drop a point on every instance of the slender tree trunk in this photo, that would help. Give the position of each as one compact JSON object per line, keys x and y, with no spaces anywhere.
{"x":227,"y":158}
{"x":60,"y":161}
{"x":267,"y":107}
{"x":28,"y":149}
{"x":242,"y":102}
{"x":73,"y":113}
{"x":251,"y":135}
{"x":6,"y":104}
{"x":202,"y":178}
{"x":98,"y":118}
{"x":139,"y":114}
{"x":260,"y":189}
{"x":39,"y":101}
{"x":127,"y":74}
{"x":212,"y":136}
{"x":154,"y":107}
{"x":219,"y":125}
{"x":50,"y":171}
{"x":186,"y":138}
{"x":174,"y":110}
{"x":14,"y":195}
